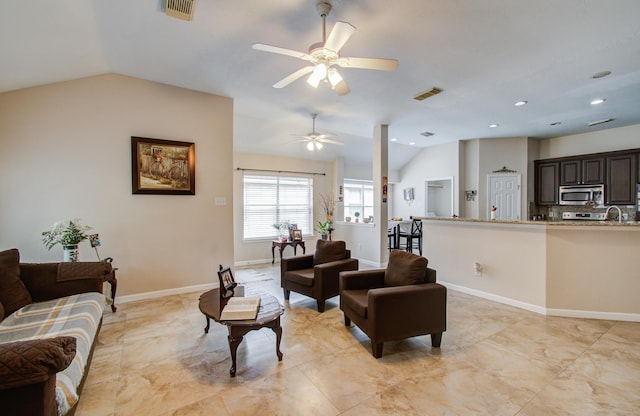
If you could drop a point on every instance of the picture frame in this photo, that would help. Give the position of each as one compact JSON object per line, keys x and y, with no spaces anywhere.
{"x":227,"y":282}
{"x":162,"y":167}
{"x":296,"y":235}
{"x":291,"y":228}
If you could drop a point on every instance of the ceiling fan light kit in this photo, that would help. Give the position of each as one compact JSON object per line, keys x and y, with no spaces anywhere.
{"x":317,"y":140}
{"x":324,"y":55}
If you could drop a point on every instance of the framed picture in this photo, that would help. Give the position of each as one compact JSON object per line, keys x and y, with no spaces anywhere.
{"x":291,"y":228}
{"x":227,"y":283}
{"x":162,"y":167}
{"x":297,"y":235}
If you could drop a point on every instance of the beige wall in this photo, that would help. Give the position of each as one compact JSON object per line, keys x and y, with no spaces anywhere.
{"x":598,"y":141}
{"x":432,"y":162}
{"x":66,"y":153}
{"x":259,"y":251}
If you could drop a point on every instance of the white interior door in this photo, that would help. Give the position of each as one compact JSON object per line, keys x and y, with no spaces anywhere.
{"x":504,"y":193}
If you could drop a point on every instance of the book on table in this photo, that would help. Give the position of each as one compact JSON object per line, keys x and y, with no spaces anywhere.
{"x":239,"y":308}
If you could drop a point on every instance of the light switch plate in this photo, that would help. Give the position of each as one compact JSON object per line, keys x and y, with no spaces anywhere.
{"x":220,"y":201}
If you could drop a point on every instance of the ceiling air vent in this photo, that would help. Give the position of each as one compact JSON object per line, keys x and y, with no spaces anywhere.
{"x":426,"y":94}
{"x":181,"y":9}
{"x":427,"y":134}
{"x":595,"y":123}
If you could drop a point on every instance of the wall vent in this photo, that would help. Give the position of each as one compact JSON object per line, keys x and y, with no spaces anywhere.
{"x":181,"y":9}
{"x":426,"y":94}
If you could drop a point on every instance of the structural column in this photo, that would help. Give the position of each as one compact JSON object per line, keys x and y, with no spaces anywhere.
{"x":380,"y":188}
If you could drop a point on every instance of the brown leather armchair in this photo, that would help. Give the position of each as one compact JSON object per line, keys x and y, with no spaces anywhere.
{"x":317,"y":275}
{"x":400,"y":302}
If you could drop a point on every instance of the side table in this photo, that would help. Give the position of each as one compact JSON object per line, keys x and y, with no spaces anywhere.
{"x":211,"y":304}
{"x":113,"y":282}
{"x":282,"y":245}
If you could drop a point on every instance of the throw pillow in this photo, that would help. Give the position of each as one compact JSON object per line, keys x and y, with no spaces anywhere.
{"x":405,"y":268}
{"x":13,"y":294}
{"x":327,"y":251}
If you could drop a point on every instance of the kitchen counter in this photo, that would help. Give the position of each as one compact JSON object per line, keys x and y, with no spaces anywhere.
{"x":583,"y":223}
{"x":584,"y":269}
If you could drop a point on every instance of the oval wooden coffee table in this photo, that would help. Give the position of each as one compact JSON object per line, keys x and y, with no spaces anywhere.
{"x":268,"y":317}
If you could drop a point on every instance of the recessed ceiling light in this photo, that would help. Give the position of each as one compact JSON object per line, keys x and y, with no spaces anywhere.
{"x":601,"y":74}
{"x":494,"y":125}
{"x":412,"y":143}
{"x":556,"y":123}
{"x":598,"y":101}
{"x":521,"y":103}
{"x":394,"y":139}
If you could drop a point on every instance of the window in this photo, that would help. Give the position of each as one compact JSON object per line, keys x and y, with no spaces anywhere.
{"x":272,"y":200}
{"x":358,"y":197}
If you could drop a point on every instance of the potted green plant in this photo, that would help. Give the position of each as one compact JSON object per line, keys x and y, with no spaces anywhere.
{"x":323,"y":228}
{"x":357,"y":215}
{"x":68,"y":234}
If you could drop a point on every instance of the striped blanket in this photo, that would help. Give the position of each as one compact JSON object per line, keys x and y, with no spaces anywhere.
{"x":78,"y":316}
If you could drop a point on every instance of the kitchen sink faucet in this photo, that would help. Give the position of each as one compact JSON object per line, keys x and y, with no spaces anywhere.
{"x":606,"y":214}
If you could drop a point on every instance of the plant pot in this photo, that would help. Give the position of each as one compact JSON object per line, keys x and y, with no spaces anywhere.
{"x":324,"y":236}
{"x":365,"y":220}
{"x":347,"y":219}
{"x":70,"y":253}
{"x":357,"y":219}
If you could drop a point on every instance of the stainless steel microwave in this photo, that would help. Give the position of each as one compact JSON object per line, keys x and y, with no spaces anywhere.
{"x":582,"y":195}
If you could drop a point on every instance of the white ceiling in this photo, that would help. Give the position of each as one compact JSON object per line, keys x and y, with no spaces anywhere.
{"x":485,"y":55}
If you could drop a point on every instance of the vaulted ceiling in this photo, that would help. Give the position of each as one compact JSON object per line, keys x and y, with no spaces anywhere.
{"x":484,"y":55}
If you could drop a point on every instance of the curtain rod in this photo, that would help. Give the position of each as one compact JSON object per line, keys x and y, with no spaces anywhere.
{"x":282,"y":171}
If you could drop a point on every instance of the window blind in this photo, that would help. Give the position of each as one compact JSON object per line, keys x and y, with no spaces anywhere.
{"x":270,"y":200}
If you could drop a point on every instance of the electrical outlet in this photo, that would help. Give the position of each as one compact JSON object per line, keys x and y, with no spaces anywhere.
{"x":477,"y":269}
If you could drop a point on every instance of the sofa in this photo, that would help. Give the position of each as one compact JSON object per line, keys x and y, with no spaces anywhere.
{"x":50,"y":316}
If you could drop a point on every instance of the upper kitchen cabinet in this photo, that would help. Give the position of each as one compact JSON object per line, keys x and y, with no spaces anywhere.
{"x":547,"y":182}
{"x":622,"y":173}
{"x":587,"y":171}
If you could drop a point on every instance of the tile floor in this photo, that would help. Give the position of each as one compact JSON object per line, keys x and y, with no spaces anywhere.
{"x":153,"y":358}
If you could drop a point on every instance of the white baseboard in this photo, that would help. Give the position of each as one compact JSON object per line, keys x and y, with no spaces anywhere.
{"x":252,"y":262}
{"x":567,"y":313}
{"x":161,"y":293}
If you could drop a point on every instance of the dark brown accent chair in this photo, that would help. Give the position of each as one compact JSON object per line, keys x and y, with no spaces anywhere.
{"x":400,"y":302}
{"x":316,"y":275}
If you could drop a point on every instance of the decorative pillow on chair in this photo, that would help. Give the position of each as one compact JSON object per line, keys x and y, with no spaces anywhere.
{"x":13,"y":294}
{"x":327,"y":251}
{"x":405,"y":268}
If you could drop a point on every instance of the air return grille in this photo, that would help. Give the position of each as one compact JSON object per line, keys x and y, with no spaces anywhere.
{"x":426,"y":94}
{"x":181,"y":9}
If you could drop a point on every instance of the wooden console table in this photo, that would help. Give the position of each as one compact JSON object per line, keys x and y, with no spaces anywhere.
{"x":281,"y":246}
{"x":211,"y":304}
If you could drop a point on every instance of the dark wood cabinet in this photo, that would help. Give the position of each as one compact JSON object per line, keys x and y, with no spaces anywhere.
{"x":588,"y":171}
{"x":547,"y":182}
{"x":622,"y":172}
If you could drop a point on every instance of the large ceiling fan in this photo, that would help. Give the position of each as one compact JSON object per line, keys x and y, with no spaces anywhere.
{"x":325,"y":55}
{"x":315,"y":140}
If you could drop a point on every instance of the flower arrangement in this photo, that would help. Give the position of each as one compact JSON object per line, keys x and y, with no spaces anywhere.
{"x":328,"y":203}
{"x":65,"y":233}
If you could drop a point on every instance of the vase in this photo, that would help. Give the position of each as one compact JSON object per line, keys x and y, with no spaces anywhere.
{"x":70,"y":253}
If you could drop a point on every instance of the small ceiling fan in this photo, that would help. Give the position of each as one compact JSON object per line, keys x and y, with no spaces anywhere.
{"x":315,"y":140}
{"x":325,"y":55}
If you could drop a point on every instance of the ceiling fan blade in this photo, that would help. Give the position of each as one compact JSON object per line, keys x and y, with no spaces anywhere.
{"x":289,"y":79}
{"x":331,"y":141}
{"x":339,"y":35}
{"x":342,"y":88}
{"x":380,"y":64}
{"x":281,"y":51}
{"x":324,"y":136}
